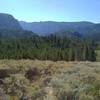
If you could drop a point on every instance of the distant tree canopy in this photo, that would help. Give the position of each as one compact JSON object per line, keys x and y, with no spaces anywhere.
{"x":50,"y":47}
{"x":69,"y":41}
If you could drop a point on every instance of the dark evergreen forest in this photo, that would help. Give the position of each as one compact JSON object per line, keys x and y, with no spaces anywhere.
{"x":49,"y":47}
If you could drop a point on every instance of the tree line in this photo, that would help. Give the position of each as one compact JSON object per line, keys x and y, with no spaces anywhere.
{"x":50,"y":47}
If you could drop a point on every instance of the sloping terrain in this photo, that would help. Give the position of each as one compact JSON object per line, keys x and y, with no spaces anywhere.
{"x":10,"y":28}
{"x":7,"y":21}
{"x":47,"y":27}
{"x":47,"y":80}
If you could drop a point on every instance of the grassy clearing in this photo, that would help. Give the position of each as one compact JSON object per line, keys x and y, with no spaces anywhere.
{"x":98,"y":55}
{"x":47,"y":80}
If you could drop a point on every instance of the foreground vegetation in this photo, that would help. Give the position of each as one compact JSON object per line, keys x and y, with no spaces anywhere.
{"x":48,"y":80}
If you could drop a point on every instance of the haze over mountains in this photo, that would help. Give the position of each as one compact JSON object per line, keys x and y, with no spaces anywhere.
{"x":48,"y":27}
{"x":51,"y":27}
{"x":7,"y":21}
{"x":10,"y":27}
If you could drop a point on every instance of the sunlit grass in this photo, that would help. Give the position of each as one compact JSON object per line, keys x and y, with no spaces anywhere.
{"x":98,"y":55}
{"x":59,"y":80}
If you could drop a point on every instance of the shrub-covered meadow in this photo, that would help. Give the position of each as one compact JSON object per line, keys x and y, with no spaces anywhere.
{"x":48,"y":80}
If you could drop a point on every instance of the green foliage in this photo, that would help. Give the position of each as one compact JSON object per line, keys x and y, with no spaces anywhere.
{"x":50,"y":47}
{"x":94,"y":90}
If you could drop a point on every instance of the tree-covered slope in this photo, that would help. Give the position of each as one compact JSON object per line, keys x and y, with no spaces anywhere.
{"x":9,"y":22}
{"x":10,"y":27}
{"x":47,"y":48}
{"x":6,"y":33}
{"x":48,"y":27}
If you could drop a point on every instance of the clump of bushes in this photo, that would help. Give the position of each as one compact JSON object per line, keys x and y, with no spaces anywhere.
{"x":6,"y":73}
{"x":32,"y":74}
{"x":94,"y":90}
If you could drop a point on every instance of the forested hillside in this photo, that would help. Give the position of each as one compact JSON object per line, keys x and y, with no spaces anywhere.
{"x":9,"y":34}
{"x":47,"y":27}
{"x":67,"y":44}
{"x":50,"y":47}
{"x":7,"y":21}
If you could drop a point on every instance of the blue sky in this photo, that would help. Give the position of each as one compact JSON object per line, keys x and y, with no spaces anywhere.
{"x":52,"y":10}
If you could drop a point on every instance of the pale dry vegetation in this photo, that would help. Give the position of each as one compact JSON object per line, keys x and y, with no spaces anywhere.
{"x":47,"y":80}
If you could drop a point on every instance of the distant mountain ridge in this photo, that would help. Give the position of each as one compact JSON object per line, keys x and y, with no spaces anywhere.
{"x":10,"y":27}
{"x":7,"y":21}
{"x":48,"y":27}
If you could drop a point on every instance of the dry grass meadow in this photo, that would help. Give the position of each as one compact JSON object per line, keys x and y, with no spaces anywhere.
{"x":48,"y":80}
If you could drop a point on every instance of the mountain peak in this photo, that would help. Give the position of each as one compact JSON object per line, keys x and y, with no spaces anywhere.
{"x":7,"y":21}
